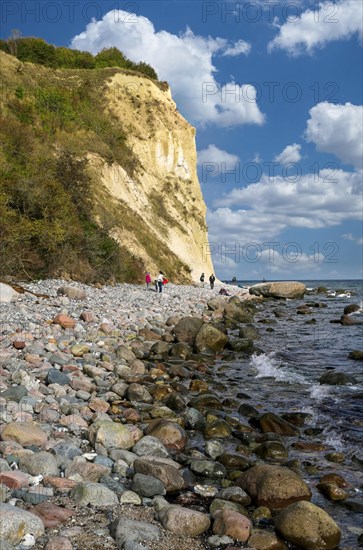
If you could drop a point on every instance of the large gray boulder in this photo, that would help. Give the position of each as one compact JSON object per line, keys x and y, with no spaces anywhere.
{"x":16,"y":523}
{"x":286,"y":289}
{"x":187,"y":328}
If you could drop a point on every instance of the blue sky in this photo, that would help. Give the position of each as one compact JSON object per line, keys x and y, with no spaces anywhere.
{"x":274,"y":89}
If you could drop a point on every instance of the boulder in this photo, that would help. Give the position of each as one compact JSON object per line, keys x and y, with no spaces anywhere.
{"x":286,"y":289}
{"x":356,"y":355}
{"x":307,"y":526}
{"x":273,"y":486}
{"x":233,"y":524}
{"x":271,"y":422}
{"x":52,"y":514}
{"x":125,"y":530}
{"x":160,"y":469}
{"x":187,"y":329}
{"x":351,"y":309}
{"x":184,"y":521}
{"x":16,"y":523}
{"x":94,"y":494}
{"x":111,"y":435}
{"x":7,"y":294}
{"x":264,"y":540}
{"x":335,"y":378}
{"x":210,"y":338}
{"x":24,"y":433}
{"x":172,"y":435}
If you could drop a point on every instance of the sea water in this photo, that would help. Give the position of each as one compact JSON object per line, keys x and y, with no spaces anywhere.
{"x":284,"y":377}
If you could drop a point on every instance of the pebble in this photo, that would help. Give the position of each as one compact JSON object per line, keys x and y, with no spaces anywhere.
{"x":104,"y":394}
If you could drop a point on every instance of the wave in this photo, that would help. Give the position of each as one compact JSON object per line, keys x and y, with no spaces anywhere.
{"x":268,"y":366}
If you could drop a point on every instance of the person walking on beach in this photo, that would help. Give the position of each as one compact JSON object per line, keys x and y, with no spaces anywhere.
{"x":147,"y":279}
{"x":202,"y":279}
{"x":160,"y":280}
{"x":211,"y":281}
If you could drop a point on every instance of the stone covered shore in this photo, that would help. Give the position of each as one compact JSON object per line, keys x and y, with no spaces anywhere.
{"x":102,"y":393}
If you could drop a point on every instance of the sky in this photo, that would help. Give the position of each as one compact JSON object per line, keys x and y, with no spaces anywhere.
{"x":274,"y":90}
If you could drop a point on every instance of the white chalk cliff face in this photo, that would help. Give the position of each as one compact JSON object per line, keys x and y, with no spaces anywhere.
{"x":163,"y":193}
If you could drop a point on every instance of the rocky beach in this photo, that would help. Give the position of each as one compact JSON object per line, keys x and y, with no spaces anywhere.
{"x":116,"y":430}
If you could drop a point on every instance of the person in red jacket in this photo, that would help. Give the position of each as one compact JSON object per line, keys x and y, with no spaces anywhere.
{"x":147,"y":279}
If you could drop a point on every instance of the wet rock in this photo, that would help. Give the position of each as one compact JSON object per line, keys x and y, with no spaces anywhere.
{"x":356,"y":355}
{"x":237,"y":314}
{"x":210,"y":338}
{"x":16,"y":523}
{"x":335,"y":378}
{"x":125,"y":531}
{"x":247,"y":410}
{"x":352,"y":308}
{"x":187,"y":329}
{"x":169,"y":433}
{"x":332,"y":491}
{"x":273,"y":486}
{"x":288,"y":289}
{"x":236,"y":461}
{"x":270,"y":422}
{"x":205,"y":401}
{"x":308,"y":527}
{"x":346,"y":320}
{"x":263,"y":540}
{"x":206,"y":468}
{"x":217,"y":429}
{"x":235,"y":494}
{"x":271,"y":450}
{"x":232,"y":524}
{"x":261,"y":515}
{"x":194,"y":420}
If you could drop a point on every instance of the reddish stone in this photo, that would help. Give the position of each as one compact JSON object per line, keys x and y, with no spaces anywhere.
{"x":98,"y":405}
{"x":87,"y":317}
{"x":64,"y":321}
{"x":51,"y":514}
{"x":62,"y":484}
{"x":233,"y":524}
{"x":14,"y":480}
{"x":131,"y":415}
{"x":19,"y":344}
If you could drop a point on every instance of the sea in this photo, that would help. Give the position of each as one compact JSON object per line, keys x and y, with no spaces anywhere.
{"x":295,"y":351}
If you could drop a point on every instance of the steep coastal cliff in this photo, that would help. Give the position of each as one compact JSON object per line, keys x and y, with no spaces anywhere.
{"x":110,"y":148}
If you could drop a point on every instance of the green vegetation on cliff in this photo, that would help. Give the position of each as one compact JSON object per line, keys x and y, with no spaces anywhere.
{"x":36,"y":50}
{"x":52,"y":219}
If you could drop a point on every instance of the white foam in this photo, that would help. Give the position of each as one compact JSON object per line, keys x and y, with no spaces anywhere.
{"x":320,"y":392}
{"x":268,"y":366}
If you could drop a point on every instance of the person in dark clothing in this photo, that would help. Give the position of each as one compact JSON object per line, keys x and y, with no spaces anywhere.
{"x":202,"y":279}
{"x":211,"y":281}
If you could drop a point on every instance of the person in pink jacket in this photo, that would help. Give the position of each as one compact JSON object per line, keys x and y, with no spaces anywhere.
{"x":147,"y":279}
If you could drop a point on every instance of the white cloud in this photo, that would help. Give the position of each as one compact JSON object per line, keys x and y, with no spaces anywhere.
{"x":337,"y":129}
{"x":265,"y":208}
{"x":185,"y":61}
{"x":316,"y":28}
{"x":291,"y":153}
{"x":240,"y":47}
{"x":214,"y":155}
{"x":350,"y":237}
